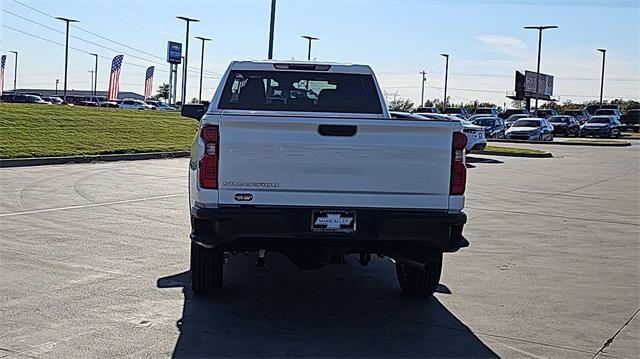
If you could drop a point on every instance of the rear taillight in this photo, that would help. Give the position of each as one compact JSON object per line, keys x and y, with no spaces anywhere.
{"x":208,"y":165}
{"x":458,"y":167}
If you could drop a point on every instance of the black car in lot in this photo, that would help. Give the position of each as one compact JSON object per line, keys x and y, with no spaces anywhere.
{"x":513,"y":111}
{"x":546,"y":113}
{"x":591,"y":109}
{"x":494,"y":127}
{"x":580,"y":115}
{"x":565,"y":125}
{"x":631,"y":120}
{"x":456,"y":111}
{"x":601,"y":126}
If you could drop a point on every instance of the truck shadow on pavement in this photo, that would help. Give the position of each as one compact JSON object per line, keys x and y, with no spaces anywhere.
{"x":348,"y":311}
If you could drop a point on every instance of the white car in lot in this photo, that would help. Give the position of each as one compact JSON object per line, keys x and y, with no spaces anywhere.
{"x":304,"y":159}
{"x":132,"y":104}
{"x":161,"y":106}
{"x":476,"y":140}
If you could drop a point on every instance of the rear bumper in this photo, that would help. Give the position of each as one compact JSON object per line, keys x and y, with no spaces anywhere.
{"x":285,"y":229}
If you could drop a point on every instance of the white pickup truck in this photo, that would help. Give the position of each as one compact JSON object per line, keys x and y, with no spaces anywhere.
{"x":303,"y":159}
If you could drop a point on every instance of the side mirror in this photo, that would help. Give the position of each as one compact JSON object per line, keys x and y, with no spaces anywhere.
{"x":193,"y":110}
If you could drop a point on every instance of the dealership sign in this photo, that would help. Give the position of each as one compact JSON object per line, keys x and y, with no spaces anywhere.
{"x":545,"y":86}
{"x":174,"y":52}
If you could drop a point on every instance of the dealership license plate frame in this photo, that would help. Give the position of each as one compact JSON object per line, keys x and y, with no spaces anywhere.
{"x":332,"y":218}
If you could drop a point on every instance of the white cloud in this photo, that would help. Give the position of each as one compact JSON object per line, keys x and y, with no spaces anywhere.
{"x":508,"y":45}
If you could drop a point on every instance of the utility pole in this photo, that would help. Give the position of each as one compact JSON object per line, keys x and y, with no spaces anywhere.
{"x":539,"y":28}
{"x":94,"y":94}
{"x":204,"y":39}
{"x":310,"y":38}
{"x":15,"y":72}
{"x":446,"y":77}
{"x":272,"y":28}
{"x":604,"y":52}
{"x":424,"y":79}
{"x":95,"y":80}
{"x":57,"y":81}
{"x":186,"y":57}
{"x":66,"y":53}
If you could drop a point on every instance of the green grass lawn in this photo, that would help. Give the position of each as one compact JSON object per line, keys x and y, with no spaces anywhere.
{"x":512,"y":150}
{"x":51,"y":130}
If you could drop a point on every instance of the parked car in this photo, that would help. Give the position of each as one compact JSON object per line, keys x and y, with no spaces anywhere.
{"x":591,"y":109}
{"x":160,"y":106}
{"x":494,"y":127}
{"x":87,"y":104}
{"x":109,"y":104}
{"x":486,"y":111}
{"x":317,"y":179}
{"x":131,"y":104}
{"x":580,"y":115}
{"x":406,"y":116}
{"x":24,"y":98}
{"x":456,"y":111}
{"x":435,"y":116}
{"x":475,"y":117}
{"x":531,"y":129}
{"x":513,"y":118}
{"x":545,"y":113}
{"x":609,"y":112}
{"x":426,"y":110}
{"x":513,"y":111}
{"x":54,"y":100}
{"x":476,"y":140}
{"x":565,"y":125}
{"x":601,"y":126}
{"x":631,"y":120}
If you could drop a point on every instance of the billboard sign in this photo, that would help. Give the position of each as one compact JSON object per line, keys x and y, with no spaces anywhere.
{"x":174,"y":52}
{"x":545,"y":86}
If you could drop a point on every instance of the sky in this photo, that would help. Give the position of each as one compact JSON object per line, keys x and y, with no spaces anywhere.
{"x":398,"y":39}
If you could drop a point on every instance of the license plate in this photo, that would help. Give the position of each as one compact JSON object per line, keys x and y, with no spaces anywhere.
{"x":333,"y":221}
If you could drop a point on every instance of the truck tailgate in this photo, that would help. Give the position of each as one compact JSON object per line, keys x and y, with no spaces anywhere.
{"x":334,"y":162}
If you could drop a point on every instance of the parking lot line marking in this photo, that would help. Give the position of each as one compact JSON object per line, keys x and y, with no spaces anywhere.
{"x":89,"y":205}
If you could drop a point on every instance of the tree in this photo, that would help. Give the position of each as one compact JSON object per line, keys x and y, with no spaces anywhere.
{"x":163,"y":91}
{"x":401,"y":105}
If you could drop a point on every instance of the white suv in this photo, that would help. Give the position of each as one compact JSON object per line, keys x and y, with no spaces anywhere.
{"x":131,"y":104}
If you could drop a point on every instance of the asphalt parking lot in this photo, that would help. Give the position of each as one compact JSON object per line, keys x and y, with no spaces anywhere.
{"x":94,"y":263}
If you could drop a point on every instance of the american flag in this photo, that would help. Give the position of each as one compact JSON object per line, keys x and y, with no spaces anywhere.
{"x":114,"y":79}
{"x":148,"y":82}
{"x":3,"y":60}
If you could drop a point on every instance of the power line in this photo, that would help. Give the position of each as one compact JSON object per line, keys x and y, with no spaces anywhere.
{"x":509,"y":76}
{"x":89,"y":53}
{"x":99,"y":36}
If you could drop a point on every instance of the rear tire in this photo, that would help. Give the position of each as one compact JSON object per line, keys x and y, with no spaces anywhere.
{"x":206,"y":269}
{"x":420,"y":282}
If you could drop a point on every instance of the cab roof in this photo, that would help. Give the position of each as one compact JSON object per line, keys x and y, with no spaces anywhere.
{"x":270,"y":65}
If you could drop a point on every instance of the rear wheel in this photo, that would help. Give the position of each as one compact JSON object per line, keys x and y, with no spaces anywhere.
{"x":419,"y":281}
{"x":206,"y":269}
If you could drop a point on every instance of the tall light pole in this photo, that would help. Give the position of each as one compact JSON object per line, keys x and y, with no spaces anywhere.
{"x":66,"y":53}
{"x":91,"y":72}
{"x":272,"y":27}
{"x":95,"y":80}
{"x":15,"y":72}
{"x":204,"y":39}
{"x":186,"y":57}
{"x":424,"y":80}
{"x":446,"y":78}
{"x":57,"y":82}
{"x":604,"y":52}
{"x":539,"y":28}
{"x":310,"y":38}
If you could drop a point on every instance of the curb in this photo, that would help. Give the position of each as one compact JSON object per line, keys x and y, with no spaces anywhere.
{"x":619,"y":144}
{"x":42,"y":161}
{"x":515,"y":154}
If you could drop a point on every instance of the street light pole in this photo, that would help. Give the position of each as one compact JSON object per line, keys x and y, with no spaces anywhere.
{"x":310,"y":38}
{"x":66,"y":53}
{"x":446,"y":77}
{"x":272,"y":28}
{"x":94,"y":95}
{"x":185,"y":69}
{"x":95,"y":80}
{"x":424,"y":79}
{"x":539,"y":28}
{"x":15,"y":72}
{"x":204,"y":39}
{"x":604,"y":51}
{"x":57,"y":81}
